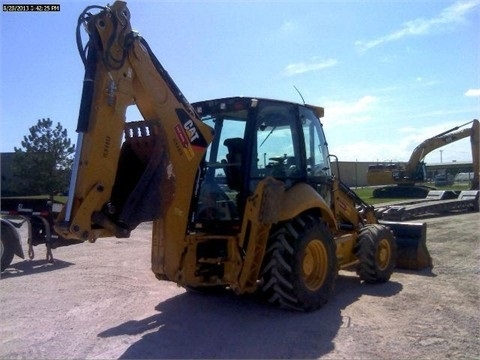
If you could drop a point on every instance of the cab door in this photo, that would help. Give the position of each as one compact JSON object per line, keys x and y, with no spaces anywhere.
{"x":277,"y":146}
{"x":319,"y":173}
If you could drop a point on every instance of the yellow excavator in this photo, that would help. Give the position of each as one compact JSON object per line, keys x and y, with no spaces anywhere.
{"x":406,"y":175}
{"x":239,"y":189}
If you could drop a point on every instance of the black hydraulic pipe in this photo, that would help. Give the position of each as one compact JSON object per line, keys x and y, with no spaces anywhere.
{"x":87,"y":91}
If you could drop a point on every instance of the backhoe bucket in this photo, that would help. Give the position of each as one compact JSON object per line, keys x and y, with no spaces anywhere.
{"x":411,"y":239}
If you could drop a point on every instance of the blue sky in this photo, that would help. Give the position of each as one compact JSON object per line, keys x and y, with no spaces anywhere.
{"x":389,"y":73}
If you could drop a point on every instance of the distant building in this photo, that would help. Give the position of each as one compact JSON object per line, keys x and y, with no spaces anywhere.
{"x":354,"y":173}
{"x":6,"y":173}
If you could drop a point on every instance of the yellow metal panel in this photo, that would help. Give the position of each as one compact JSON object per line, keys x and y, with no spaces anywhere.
{"x":302,"y":197}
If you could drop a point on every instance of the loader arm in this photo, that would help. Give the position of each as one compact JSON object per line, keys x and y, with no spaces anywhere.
{"x":128,"y":173}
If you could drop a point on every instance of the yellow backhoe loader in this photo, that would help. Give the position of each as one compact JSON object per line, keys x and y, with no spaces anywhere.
{"x":407,"y":175}
{"x":240,"y":189}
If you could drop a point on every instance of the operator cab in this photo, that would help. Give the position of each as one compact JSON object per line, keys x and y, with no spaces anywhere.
{"x":256,"y":138}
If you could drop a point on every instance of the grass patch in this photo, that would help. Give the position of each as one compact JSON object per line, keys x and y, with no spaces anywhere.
{"x":366,"y":194}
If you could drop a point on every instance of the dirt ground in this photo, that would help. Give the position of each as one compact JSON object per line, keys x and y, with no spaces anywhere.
{"x":100,"y":301}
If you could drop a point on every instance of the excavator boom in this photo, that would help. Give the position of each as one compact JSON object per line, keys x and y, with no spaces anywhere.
{"x":413,"y":171}
{"x":437,"y":141}
{"x":475,"y":144}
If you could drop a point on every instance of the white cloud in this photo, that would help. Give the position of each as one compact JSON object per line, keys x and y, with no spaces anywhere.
{"x":288,"y":30}
{"x":426,"y":82}
{"x":346,"y":113}
{"x":304,"y":67}
{"x":289,"y":27}
{"x":472,"y":92}
{"x":451,"y":15}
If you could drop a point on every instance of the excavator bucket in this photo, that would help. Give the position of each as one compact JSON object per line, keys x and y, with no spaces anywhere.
{"x":411,"y":239}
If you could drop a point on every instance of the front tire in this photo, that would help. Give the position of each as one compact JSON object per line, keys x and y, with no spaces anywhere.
{"x":300,"y":265}
{"x":376,"y":250}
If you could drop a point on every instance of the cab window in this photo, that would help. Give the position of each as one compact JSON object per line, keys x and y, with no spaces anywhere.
{"x":276,"y":143}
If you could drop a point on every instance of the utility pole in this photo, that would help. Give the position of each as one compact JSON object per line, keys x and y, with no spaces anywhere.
{"x":441,"y":151}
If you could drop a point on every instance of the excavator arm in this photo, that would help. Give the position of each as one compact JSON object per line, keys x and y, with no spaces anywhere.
{"x":127,"y":173}
{"x":445,"y":138}
{"x":475,"y":144}
{"x":408,"y":174}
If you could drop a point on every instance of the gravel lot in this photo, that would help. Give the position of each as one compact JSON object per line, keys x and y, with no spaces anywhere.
{"x":100,"y":301}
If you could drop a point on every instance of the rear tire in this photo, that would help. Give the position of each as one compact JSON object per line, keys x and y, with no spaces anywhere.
{"x":7,"y":246}
{"x":300,"y":265}
{"x":376,"y":250}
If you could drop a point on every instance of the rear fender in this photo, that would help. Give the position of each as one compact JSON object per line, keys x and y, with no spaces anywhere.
{"x":302,"y":197}
{"x":10,"y":234}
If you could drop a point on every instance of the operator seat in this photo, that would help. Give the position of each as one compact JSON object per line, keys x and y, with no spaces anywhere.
{"x":233,"y":168}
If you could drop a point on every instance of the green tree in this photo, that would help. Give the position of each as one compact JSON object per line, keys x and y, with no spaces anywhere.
{"x":43,"y":164}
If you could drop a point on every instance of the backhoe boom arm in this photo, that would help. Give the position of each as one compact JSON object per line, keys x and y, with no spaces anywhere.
{"x":127,"y":173}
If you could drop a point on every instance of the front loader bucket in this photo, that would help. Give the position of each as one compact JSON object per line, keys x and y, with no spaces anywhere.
{"x":411,"y":239}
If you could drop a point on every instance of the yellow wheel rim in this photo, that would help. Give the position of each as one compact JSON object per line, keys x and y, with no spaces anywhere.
{"x":315,"y":265}
{"x":384,"y":253}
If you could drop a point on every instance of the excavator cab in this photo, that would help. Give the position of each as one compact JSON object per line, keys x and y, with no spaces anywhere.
{"x":254,"y":139}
